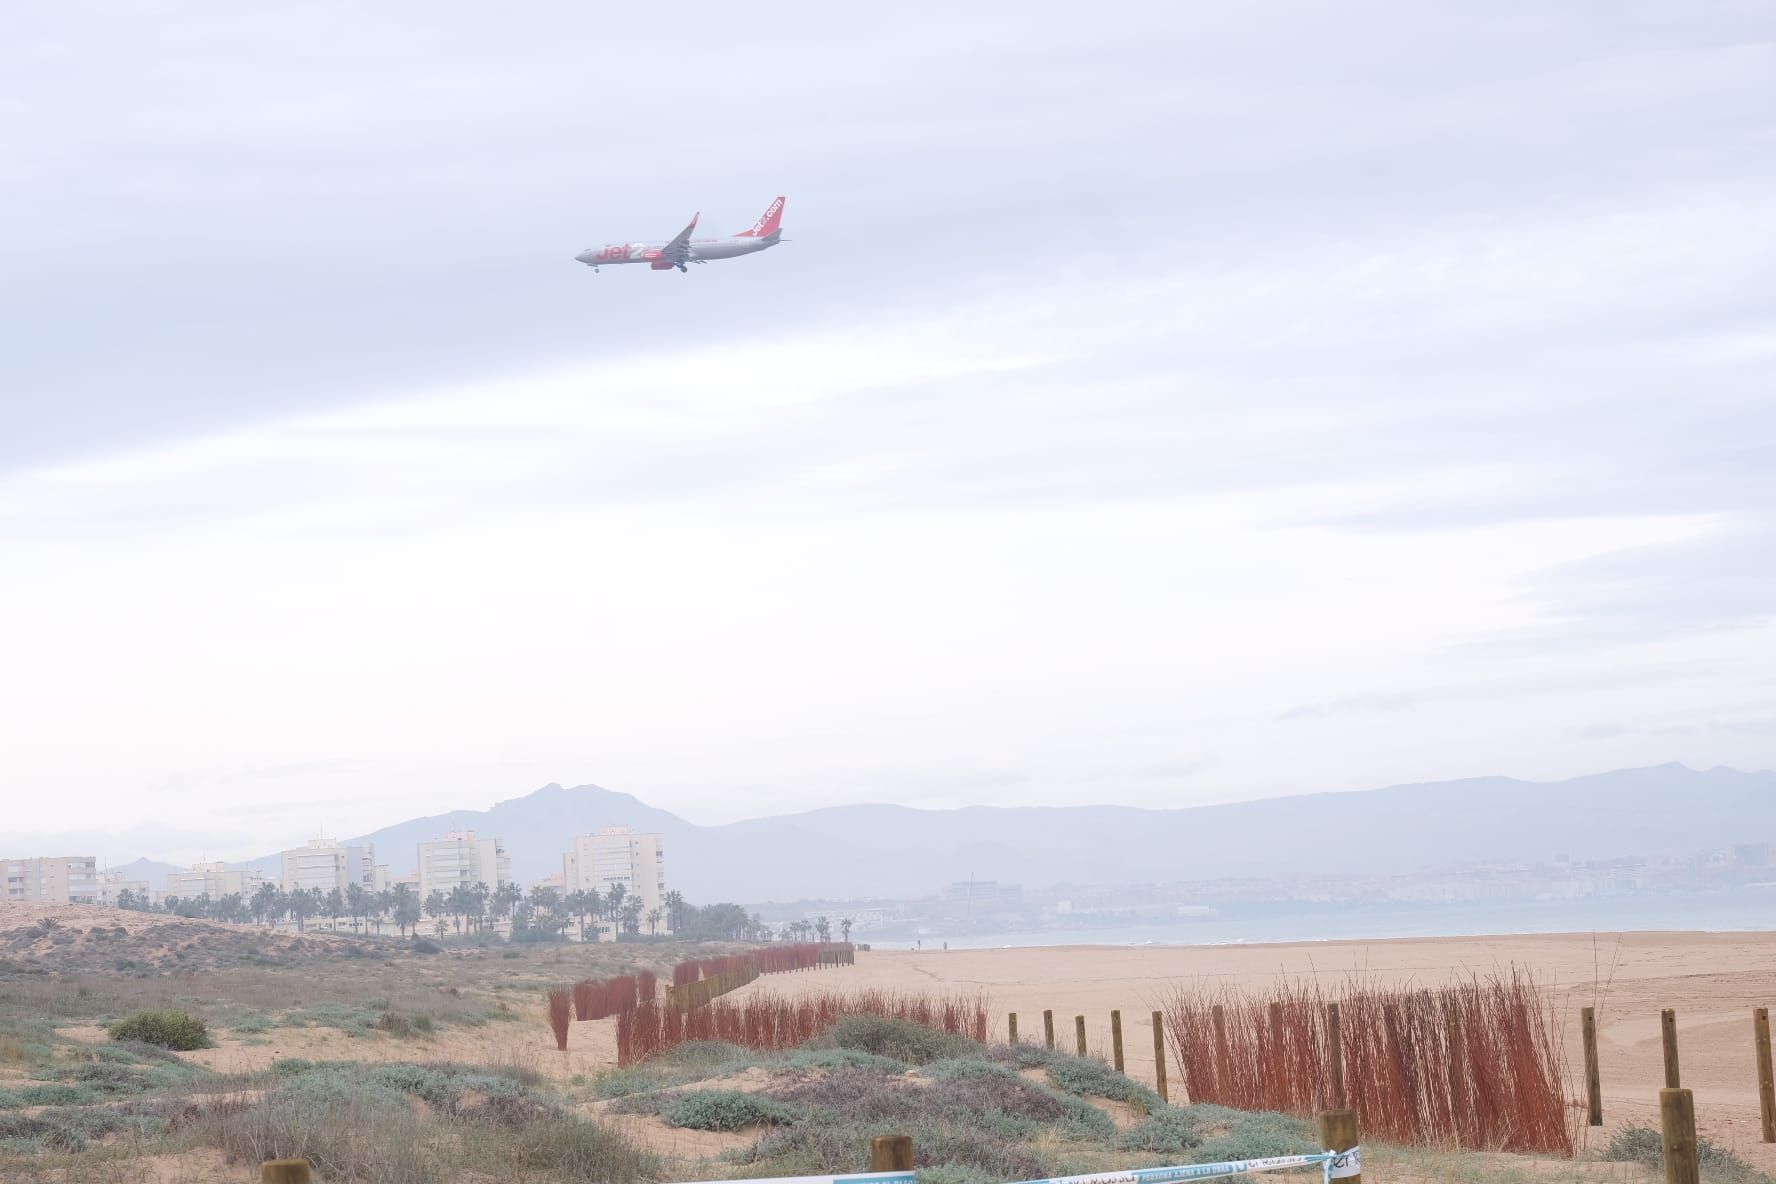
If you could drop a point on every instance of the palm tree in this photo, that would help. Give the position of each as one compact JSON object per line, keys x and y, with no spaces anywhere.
{"x":823,"y":927}
{"x":334,"y":906}
{"x":459,"y":902}
{"x":675,"y":903}
{"x":632,"y":915}
{"x":653,"y":920}
{"x":406,"y":908}
{"x":479,"y":895}
{"x":377,"y":907}
{"x":301,"y":906}
{"x":581,"y":905}
{"x":264,"y":901}
{"x":356,"y":902}
{"x":845,"y":929}
{"x":614,"y":900}
{"x":435,"y":907}
{"x":506,"y":898}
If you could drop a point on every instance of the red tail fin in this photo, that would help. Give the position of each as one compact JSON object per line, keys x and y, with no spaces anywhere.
{"x":769,"y":223}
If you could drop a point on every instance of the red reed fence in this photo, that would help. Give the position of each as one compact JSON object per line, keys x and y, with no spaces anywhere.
{"x":695,"y":983}
{"x":560,"y":1016}
{"x":769,"y":1023}
{"x":1477,"y":1065}
{"x":597,"y":1000}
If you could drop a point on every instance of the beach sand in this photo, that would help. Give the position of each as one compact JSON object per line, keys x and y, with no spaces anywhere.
{"x":1712,"y":980}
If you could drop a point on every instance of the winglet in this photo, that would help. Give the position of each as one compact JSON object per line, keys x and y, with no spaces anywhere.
{"x":770,"y":222}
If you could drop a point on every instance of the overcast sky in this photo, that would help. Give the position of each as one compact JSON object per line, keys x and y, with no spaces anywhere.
{"x":1157,"y":403}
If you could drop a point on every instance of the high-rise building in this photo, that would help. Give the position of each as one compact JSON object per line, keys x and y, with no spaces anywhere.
{"x":327,"y":866}
{"x":461,"y":859}
{"x":62,"y":879}
{"x":618,"y":855}
{"x":214,"y":880}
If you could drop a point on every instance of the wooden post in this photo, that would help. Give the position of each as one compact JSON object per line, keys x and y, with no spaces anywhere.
{"x":1159,"y":1056}
{"x":1012,"y":1023}
{"x":284,"y":1171}
{"x":1335,"y":1054}
{"x":891,"y":1153}
{"x":1668,"y":1030}
{"x":1677,"y":1123}
{"x":1116,"y":1039}
{"x":1458,"y":1080}
{"x":1760,"y":1022}
{"x":1079,"y":1032}
{"x":1338,"y":1132}
{"x":1593,"y":1078}
{"x":1048,"y":1027}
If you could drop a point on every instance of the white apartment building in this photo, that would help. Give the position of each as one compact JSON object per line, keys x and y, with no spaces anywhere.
{"x":327,"y":866}
{"x":461,"y":859}
{"x":113,"y":885}
{"x":214,"y":880}
{"x":618,"y":855}
{"x":62,"y":879}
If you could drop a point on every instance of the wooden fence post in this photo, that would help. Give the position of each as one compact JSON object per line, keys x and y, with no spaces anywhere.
{"x":891,"y":1153}
{"x":1079,"y":1032}
{"x":1116,"y":1039}
{"x":1338,"y":1133}
{"x":1159,"y":1056}
{"x":1048,"y":1027}
{"x":1677,"y":1124}
{"x":284,"y":1171}
{"x":1760,"y":1022}
{"x":1668,"y":1031}
{"x":1593,"y":1077}
{"x":1335,"y":1054}
{"x":1012,"y":1023}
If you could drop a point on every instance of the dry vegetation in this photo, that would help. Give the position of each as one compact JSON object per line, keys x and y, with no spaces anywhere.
{"x":1477,"y":1065}
{"x":392,"y":1066}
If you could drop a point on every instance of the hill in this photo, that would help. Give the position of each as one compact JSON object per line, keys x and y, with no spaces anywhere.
{"x":74,"y":939}
{"x":898,"y":851}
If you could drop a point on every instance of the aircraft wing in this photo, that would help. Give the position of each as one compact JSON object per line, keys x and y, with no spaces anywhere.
{"x":678,"y":251}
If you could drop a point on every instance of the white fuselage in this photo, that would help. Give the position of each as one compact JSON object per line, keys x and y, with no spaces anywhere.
{"x":731,"y":247}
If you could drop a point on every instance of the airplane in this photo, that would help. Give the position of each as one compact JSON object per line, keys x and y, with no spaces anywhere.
{"x":766,"y":232}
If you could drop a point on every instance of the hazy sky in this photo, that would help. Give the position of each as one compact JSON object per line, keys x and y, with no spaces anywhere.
{"x":1158,"y":403}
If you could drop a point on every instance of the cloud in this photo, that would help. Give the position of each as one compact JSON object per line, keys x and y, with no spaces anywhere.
{"x":1423,"y":366}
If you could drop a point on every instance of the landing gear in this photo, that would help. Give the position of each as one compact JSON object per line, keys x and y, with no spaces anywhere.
{"x":684,"y":269}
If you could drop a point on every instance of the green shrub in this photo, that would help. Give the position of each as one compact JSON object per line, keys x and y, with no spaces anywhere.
{"x":396,"y":1024}
{"x":953,"y":1173}
{"x":1236,"y":1134}
{"x":900,"y":1040}
{"x":1166,"y":1131}
{"x":165,"y":1029}
{"x":1643,"y":1145}
{"x":723,"y":1110}
{"x":38,"y":1094}
{"x":1095,"y":1079}
{"x":573,"y":1151}
{"x":839,"y":1058}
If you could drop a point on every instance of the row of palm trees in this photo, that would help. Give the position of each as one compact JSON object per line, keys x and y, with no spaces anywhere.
{"x":542,"y":913}
{"x":819,"y":927}
{"x":471,"y":907}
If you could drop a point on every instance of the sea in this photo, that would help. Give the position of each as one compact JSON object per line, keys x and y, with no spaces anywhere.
{"x":1742,"y":910}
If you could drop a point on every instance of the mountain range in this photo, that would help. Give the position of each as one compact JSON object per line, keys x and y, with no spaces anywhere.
{"x":898,"y":851}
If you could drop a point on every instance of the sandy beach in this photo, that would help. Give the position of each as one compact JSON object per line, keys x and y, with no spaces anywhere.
{"x":1712,"y":980}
